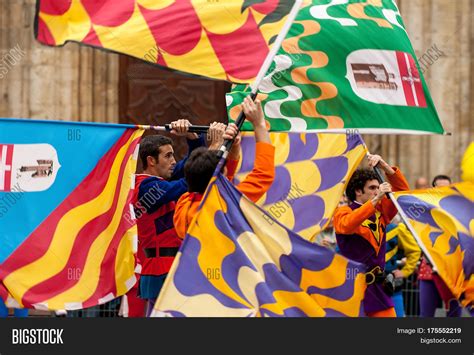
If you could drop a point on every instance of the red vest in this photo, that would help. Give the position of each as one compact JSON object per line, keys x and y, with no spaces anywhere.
{"x":155,"y":231}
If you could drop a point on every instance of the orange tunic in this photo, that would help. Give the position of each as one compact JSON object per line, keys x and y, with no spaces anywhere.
{"x":254,"y":186}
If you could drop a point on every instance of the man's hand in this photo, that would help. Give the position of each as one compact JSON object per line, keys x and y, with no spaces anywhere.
{"x":216,"y":134}
{"x":253,"y":112}
{"x":383,"y":189}
{"x":231,"y":132}
{"x":398,"y":274}
{"x":326,"y":242}
{"x":374,"y":159}
{"x":180,"y":128}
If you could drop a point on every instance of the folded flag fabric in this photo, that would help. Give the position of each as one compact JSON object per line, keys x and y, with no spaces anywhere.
{"x":345,"y":64}
{"x":312,"y":171}
{"x":444,"y":220}
{"x":68,"y":237}
{"x":226,"y":40}
{"x":234,"y":263}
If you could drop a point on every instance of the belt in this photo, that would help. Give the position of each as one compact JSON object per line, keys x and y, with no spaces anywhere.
{"x":375,"y":275}
{"x":151,"y":252}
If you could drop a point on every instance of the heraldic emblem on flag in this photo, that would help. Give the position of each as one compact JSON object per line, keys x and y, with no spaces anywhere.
{"x":67,"y":233}
{"x":226,"y":40}
{"x":343,"y":65}
{"x":371,"y":72}
{"x":444,"y":220}
{"x":35,"y":167}
{"x":312,"y":171}
{"x":234,"y":263}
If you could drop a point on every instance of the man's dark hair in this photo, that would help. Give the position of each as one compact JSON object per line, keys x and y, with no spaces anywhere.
{"x":150,"y":147}
{"x":440,"y":177}
{"x":199,"y":168}
{"x":358,"y":180}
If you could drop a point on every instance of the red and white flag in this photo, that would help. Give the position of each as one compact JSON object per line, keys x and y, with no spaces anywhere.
{"x":6,"y":154}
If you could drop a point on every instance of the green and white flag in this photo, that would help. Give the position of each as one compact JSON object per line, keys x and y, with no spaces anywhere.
{"x":345,"y":64}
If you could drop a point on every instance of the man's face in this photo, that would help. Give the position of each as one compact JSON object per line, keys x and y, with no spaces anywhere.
{"x":166,"y":162}
{"x":442,"y":182}
{"x":371,"y":189}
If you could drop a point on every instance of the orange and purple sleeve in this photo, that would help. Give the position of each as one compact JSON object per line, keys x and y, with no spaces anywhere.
{"x":346,"y":220}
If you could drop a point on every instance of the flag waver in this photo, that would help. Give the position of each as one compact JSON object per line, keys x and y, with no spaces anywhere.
{"x":444,"y":220}
{"x":75,"y":246}
{"x":345,"y":65}
{"x":233,"y":262}
{"x":202,"y":37}
{"x":312,"y":171}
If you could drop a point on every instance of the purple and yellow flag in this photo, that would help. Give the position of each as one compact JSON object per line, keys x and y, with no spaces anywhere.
{"x":236,"y":261}
{"x":444,"y":220}
{"x":226,"y":40}
{"x":68,"y":237}
{"x":312,"y":171}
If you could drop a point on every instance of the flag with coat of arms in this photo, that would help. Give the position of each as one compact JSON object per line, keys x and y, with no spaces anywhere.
{"x":345,"y":64}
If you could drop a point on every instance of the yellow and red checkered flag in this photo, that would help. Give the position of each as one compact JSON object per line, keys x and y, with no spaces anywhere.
{"x":226,"y":40}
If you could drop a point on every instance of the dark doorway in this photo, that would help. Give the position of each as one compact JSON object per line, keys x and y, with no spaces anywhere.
{"x":154,"y":96}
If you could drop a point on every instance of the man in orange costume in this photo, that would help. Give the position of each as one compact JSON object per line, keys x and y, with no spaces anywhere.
{"x":360,"y":229}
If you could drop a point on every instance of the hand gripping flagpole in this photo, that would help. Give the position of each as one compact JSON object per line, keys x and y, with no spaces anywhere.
{"x":225,"y":148}
{"x":403,"y":216}
{"x":167,"y":128}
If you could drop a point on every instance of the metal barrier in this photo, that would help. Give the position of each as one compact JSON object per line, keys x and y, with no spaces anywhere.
{"x":411,"y":296}
{"x":109,"y":309}
{"x":410,"y":292}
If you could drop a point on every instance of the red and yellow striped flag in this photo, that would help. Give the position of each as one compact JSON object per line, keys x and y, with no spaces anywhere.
{"x":75,"y":248}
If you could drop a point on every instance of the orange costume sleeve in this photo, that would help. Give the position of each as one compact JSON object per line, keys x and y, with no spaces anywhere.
{"x":259,"y":180}
{"x":348,"y":221}
{"x":186,"y":208}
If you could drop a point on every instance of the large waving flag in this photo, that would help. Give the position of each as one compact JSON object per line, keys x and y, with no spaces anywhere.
{"x":226,"y":40}
{"x":234,"y":263}
{"x":345,"y":65}
{"x":444,"y":220}
{"x":312,"y":171}
{"x":67,"y":233}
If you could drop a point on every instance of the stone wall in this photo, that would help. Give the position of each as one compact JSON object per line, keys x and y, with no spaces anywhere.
{"x":71,"y":83}
{"x":442,"y":34}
